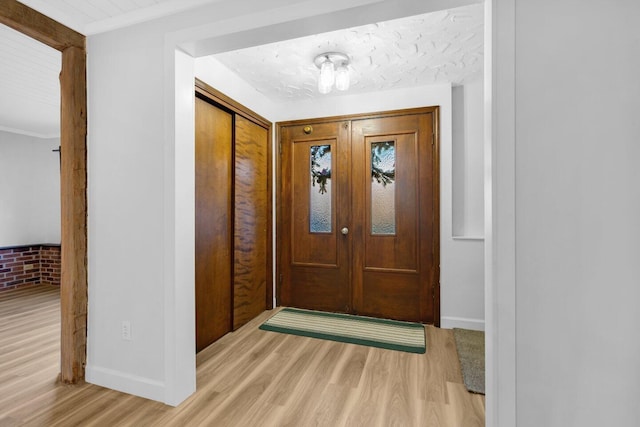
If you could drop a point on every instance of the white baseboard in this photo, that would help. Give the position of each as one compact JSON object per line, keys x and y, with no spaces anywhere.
{"x":461,"y":322}
{"x":131,"y":384}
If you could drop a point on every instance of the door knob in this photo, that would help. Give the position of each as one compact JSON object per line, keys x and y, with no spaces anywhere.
{"x":344,"y":231}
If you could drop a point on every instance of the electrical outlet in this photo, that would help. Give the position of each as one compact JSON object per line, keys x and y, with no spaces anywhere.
{"x":126,"y":330}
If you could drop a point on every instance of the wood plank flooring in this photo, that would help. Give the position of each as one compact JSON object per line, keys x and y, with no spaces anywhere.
{"x":248,"y":378}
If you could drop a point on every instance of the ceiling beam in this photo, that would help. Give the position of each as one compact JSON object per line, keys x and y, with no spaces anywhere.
{"x":38,"y":26}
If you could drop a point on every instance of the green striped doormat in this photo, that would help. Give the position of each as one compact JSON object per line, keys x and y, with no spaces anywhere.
{"x":382,"y":333}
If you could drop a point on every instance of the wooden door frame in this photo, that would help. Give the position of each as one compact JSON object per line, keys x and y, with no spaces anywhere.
{"x":435,"y":111}
{"x":73,"y":177}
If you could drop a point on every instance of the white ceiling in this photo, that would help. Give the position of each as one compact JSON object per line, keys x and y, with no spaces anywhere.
{"x":29,"y":85}
{"x":440,"y":47}
{"x":97,"y":16}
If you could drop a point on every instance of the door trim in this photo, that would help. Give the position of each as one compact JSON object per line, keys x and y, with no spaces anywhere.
{"x":435,"y":244}
{"x":73,"y":177}
{"x":222,"y":99}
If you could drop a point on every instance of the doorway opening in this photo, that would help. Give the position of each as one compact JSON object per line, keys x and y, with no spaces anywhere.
{"x":73,"y":177}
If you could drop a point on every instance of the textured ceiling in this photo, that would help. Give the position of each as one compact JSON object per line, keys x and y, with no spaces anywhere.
{"x":29,"y":85}
{"x":440,"y":47}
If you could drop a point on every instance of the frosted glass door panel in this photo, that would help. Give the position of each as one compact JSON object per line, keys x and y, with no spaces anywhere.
{"x":383,"y":191}
{"x":320,"y":200}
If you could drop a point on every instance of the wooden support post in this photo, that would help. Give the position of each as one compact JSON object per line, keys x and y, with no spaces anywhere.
{"x":73,"y":184}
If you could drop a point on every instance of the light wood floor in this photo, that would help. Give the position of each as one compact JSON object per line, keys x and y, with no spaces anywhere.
{"x":248,"y":378}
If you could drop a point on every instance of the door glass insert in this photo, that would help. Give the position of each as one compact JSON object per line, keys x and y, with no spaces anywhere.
{"x":320,"y":200}
{"x":383,"y":192}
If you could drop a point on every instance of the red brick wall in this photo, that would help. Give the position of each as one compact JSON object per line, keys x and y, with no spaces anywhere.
{"x":28,"y":265}
{"x":50,"y":264}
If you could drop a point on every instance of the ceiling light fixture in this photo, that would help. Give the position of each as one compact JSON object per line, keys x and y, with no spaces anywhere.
{"x":334,"y":68}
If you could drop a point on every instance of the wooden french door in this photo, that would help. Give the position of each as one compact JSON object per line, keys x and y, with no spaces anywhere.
{"x":316,"y":268}
{"x":359,"y":215}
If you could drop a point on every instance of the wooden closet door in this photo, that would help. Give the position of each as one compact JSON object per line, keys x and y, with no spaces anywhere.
{"x":252,"y":242}
{"x":213,"y":222}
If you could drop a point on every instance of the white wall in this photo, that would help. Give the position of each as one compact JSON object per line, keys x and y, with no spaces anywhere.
{"x":461,"y":308}
{"x":126,"y":212}
{"x":468,"y":159}
{"x":30,"y":195}
{"x":140,"y":143}
{"x":577,"y":204}
{"x":217,"y":75}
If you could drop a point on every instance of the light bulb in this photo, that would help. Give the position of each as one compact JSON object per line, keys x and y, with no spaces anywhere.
{"x":342,"y":78}
{"x":327,"y":77}
{"x":323,"y":89}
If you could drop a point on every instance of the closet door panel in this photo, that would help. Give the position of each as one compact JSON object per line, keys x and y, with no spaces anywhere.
{"x":252,"y":211}
{"x":213,"y":253}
